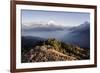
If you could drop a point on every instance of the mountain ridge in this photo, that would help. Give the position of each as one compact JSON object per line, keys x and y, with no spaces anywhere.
{"x":53,"y":50}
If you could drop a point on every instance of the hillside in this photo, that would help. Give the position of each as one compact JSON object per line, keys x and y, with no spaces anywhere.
{"x":54,"y":50}
{"x":44,"y":55}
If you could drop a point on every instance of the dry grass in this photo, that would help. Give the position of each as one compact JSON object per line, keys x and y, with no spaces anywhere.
{"x":45,"y":55}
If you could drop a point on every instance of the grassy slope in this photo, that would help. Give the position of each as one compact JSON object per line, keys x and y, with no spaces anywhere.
{"x":58,"y":51}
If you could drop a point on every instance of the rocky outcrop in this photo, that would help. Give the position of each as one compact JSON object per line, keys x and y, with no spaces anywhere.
{"x":42,"y":54}
{"x":54,"y":50}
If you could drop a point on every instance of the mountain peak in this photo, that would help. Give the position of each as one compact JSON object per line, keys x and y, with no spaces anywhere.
{"x":51,"y":22}
{"x":41,"y":24}
{"x":85,"y":24}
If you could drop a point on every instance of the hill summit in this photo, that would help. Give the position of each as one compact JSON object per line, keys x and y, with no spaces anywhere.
{"x":54,"y":50}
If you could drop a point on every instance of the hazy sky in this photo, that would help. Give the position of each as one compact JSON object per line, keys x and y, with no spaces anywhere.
{"x":57,"y":17}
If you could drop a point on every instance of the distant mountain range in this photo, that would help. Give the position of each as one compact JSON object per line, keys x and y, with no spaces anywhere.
{"x":78,"y":35}
{"x":41,"y":27}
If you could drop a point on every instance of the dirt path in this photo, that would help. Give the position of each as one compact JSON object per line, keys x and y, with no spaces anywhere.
{"x":61,"y":54}
{"x":57,"y":52}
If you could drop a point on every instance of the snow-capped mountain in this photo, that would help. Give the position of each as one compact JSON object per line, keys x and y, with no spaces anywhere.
{"x":42,"y":26}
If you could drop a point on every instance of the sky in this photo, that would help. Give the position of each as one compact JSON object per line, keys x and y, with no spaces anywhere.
{"x":55,"y":17}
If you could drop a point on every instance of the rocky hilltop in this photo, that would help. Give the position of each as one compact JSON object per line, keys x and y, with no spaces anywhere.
{"x":54,"y":50}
